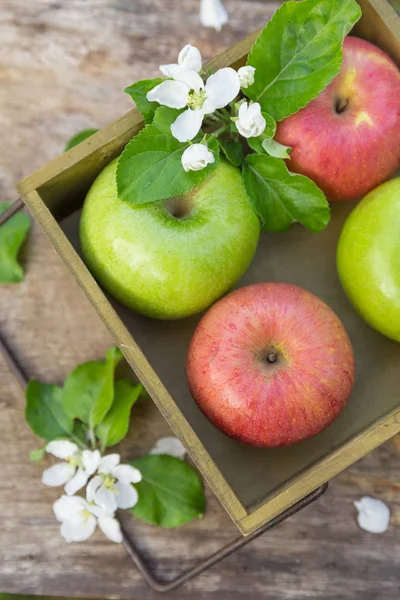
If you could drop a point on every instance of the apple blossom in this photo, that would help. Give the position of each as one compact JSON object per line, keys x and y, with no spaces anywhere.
{"x":189,"y":58}
{"x":75,"y":470}
{"x":169,"y":445}
{"x":373,"y":515}
{"x":213,"y":14}
{"x":250,"y":122}
{"x":187,"y":89}
{"x":196,"y":157}
{"x":79,"y":519}
{"x":112,"y":487}
{"x":246,"y":76}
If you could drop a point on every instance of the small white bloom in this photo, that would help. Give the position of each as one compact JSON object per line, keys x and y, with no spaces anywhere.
{"x":373,"y":515}
{"x":187,"y":89}
{"x":250,"y":122}
{"x":213,"y":14}
{"x":195,"y":158}
{"x":246,"y":76}
{"x":79,"y":518}
{"x":75,"y":469}
{"x":170,"y":445}
{"x":112,"y":488}
{"x":189,"y":59}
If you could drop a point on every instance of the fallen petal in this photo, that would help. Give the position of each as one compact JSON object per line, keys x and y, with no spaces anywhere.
{"x":171,"y":446}
{"x":373,"y":515}
{"x":213,"y":14}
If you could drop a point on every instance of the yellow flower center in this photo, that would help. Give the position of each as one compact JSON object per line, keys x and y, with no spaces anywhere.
{"x":109,"y":482}
{"x":86,"y":514}
{"x":73,"y":461}
{"x":196,"y":99}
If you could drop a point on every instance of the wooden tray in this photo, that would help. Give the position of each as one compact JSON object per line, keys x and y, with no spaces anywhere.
{"x":254,"y":485}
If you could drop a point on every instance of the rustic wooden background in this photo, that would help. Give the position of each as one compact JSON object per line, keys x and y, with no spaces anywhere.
{"x":63,"y":66}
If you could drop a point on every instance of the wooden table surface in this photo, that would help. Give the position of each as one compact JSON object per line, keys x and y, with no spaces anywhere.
{"x":63,"y":66}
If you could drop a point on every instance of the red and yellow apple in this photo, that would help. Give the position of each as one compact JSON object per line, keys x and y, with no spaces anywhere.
{"x":347,"y":139}
{"x":270,"y":365}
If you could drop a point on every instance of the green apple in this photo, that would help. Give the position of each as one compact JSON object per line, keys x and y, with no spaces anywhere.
{"x":174,"y":258}
{"x":368,"y":258}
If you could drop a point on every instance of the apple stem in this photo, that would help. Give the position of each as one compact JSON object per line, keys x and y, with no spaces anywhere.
{"x":218,"y":131}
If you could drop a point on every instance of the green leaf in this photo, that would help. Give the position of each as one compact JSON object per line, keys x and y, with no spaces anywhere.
{"x":299,"y":52}
{"x":233,"y":151}
{"x":79,"y":137}
{"x":89,"y":390}
{"x":115,"y":425}
{"x":44,"y":411}
{"x":275,"y":149}
{"x":150,"y":168}
{"x":171,"y":492}
{"x":138,"y":92}
{"x":280,"y":197}
{"x":164,"y":117}
{"x":12,"y":236}
{"x":37,"y":455}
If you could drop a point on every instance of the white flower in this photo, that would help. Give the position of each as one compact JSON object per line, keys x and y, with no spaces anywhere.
{"x":188,"y":90}
{"x":250,"y":122}
{"x":373,"y":514}
{"x":189,"y":59}
{"x":78,"y":520}
{"x":76,"y":468}
{"x":213,"y":14}
{"x":195,"y":158}
{"x":170,"y":445}
{"x":246,"y":76}
{"x":112,"y":487}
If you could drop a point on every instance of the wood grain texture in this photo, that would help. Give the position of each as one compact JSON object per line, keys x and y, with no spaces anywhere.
{"x":62,"y":68}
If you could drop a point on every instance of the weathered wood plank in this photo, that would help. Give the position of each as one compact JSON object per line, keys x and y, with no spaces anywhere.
{"x":63,"y":67}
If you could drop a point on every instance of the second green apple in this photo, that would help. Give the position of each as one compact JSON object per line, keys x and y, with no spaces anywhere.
{"x":368,"y":258}
{"x":174,"y":258}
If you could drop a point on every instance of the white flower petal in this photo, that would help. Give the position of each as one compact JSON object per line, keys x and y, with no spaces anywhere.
{"x":91,"y":460}
{"x":170,"y":70}
{"x":126,"y":495}
{"x":77,"y":482}
{"x":171,"y":445}
{"x":190,"y":58}
{"x":127,"y":474}
{"x":187,"y":125}
{"x":78,"y":531}
{"x":221,"y":88}
{"x":189,"y":78}
{"x":69,"y":508}
{"x":92,"y":488}
{"x":373,"y":515}
{"x":108,"y":463}
{"x":169,"y":93}
{"x":58,"y":474}
{"x":61,"y":448}
{"x":106,"y":499}
{"x":111,"y":528}
{"x":213,"y":14}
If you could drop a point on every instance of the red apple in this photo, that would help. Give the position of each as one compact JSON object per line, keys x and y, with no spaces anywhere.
{"x":348,"y":138}
{"x":270,"y":364}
